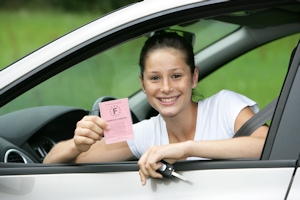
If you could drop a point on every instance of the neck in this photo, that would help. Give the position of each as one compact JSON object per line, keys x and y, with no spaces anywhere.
{"x":182,"y":127}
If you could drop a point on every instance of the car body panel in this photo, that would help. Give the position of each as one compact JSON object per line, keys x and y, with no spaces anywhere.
{"x":204,"y":184}
{"x":294,"y":192}
{"x":236,"y":179}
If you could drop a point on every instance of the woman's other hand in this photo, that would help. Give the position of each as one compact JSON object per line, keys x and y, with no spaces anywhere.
{"x":149,"y":162}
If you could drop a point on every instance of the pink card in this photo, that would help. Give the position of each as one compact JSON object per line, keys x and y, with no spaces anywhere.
{"x":117,"y":114}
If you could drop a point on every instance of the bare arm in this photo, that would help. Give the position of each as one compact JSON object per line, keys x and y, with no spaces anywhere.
{"x":87,"y":145}
{"x":241,"y":147}
{"x":101,"y":152}
{"x":63,"y":152}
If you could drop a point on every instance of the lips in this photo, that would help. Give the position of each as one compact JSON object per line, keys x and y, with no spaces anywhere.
{"x":168,"y":100}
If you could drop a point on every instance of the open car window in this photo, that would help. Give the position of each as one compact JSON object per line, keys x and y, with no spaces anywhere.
{"x":113,"y":72}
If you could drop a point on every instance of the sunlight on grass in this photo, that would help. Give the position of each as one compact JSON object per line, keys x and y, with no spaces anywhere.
{"x":23,"y":31}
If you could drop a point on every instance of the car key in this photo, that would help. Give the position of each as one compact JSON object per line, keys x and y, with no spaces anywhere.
{"x":167,"y":170}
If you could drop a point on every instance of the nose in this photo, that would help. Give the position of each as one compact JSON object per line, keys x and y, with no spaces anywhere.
{"x":166,"y":86}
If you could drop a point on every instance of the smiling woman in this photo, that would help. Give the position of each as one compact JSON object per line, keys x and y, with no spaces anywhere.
{"x":182,"y":130}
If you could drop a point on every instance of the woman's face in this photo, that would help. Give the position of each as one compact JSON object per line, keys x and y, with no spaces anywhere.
{"x":168,"y":81}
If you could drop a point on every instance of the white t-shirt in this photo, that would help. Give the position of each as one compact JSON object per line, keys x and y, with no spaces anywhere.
{"x":215,"y":121}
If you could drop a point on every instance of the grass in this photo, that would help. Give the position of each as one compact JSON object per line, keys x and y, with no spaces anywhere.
{"x":24,"y":31}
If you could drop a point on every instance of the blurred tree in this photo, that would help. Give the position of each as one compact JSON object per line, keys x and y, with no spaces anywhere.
{"x":102,"y":6}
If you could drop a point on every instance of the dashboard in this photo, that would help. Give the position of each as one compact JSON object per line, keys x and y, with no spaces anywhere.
{"x":28,"y":135}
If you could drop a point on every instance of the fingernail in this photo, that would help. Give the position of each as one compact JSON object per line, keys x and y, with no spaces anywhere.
{"x":107,"y":128}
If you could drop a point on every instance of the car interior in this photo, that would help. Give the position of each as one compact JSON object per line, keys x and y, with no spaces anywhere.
{"x":39,"y":126}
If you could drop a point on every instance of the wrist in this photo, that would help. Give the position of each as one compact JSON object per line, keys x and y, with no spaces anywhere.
{"x":187,"y":148}
{"x":74,"y":150}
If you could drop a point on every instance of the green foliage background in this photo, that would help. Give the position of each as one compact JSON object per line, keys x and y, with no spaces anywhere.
{"x":23,"y":31}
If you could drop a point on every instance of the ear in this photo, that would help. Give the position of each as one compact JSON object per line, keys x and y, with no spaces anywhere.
{"x":142,"y":82}
{"x":195,"y":76}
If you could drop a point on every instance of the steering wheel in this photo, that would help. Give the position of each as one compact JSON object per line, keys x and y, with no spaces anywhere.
{"x":95,"y":108}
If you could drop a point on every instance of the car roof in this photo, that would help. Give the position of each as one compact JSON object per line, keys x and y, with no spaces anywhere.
{"x":270,"y":16}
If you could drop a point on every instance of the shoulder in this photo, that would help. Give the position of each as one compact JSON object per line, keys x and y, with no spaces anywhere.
{"x":238,"y":100}
{"x":225,"y":94}
{"x":218,"y":98}
{"x":224,"y":107}
{"x":228,"y":97}
{"x":227,"y":103}
{"x":232,"y":103}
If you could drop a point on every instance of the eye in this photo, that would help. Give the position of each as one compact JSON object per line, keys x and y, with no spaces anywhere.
{"x":176,"y":76}
{"x":154,"y":78}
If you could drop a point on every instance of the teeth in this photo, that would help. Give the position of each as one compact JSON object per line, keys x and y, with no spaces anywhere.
{"x":168,"y":100}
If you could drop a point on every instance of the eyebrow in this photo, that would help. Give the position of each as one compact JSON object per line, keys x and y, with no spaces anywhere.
{"x":175,"y":69}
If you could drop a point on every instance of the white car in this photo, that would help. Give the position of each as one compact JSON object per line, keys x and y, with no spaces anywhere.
{"x":44,"y":94}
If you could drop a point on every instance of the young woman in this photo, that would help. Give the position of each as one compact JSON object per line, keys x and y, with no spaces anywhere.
{"x":182,"y":130}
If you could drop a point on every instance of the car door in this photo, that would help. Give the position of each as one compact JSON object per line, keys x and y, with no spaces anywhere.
{"x":206,"y":180}
{"x":294,"y":192}
{"x":268,"y":178}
